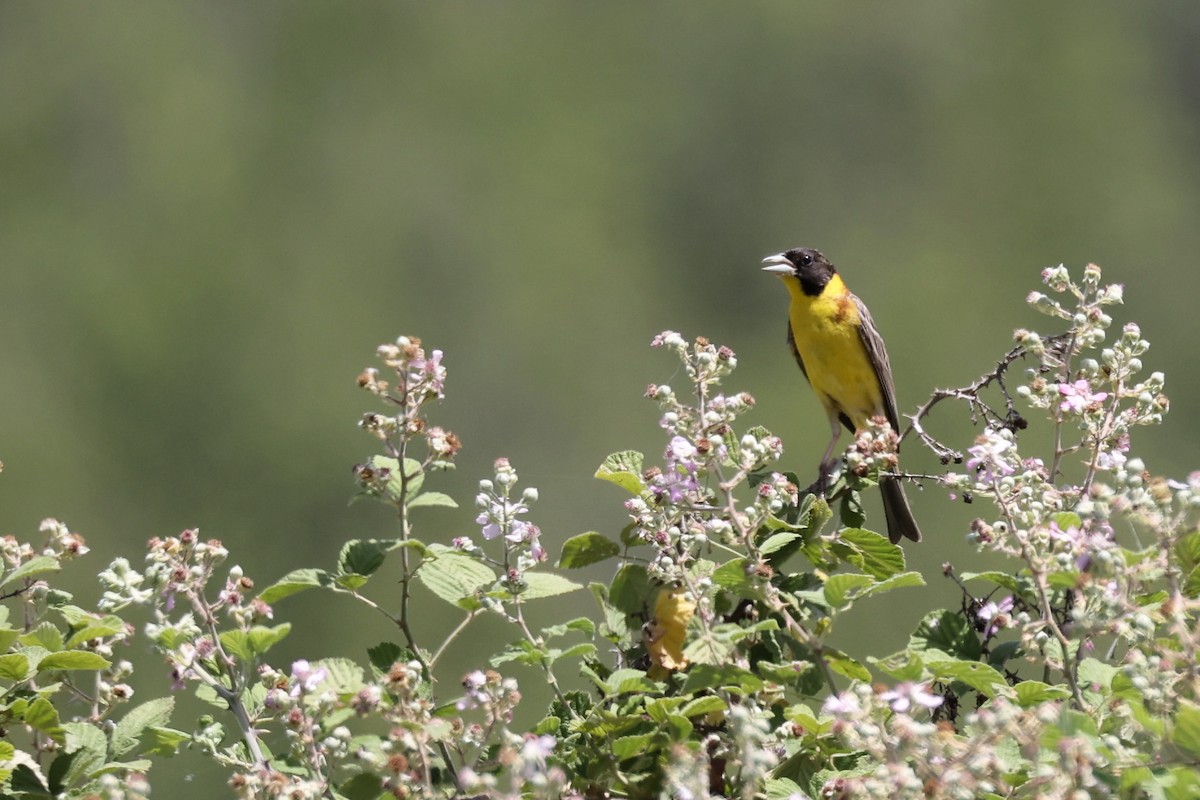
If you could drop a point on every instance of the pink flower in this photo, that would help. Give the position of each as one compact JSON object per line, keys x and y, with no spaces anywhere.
{"x":1078,"y":395}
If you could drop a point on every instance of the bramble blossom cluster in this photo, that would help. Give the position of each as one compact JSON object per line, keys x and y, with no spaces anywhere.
{"x":501,"y":517}
{"x":414,"y":378}
{"x":703,"y":462}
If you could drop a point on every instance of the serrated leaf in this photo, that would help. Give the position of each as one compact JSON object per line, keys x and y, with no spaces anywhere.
{"x":587,"y":548}
{"x":43,"y":716}
{"x":782,"y":789}
{"x":840,"y":589}
{"x":625,"y":470}
{"x":732,"y":577}
{"x":703,"y":705}
{"x":870,"y":552}
{"x":1186,"y":730}
{"x":547,"y":584}
{"x":364,"y":556}
{"x":629,"y":681}
{"x":630,"y":589}
{"x":433,"y":500}
{"x":726,"y":676}
{"x":46,"y":635}
{"x":1032,"y":693}
{"x":778,"y":541}
{"x":14,"y":667}
{"x":350,"y":581}
{"x":71,"y":660}
{"x":902,"y":581}
{"x":129,"y":729}
{"x":7,"y":638}
{"x":249,"y":645}
{"x":95,"y":628}
{"x":163,"y":741}
{"x":1097,"y":673}
{"x":629,"y":746}
{"x":948,"y":632}
{"x":38,"y":565}
{"x":844,"y":665}
{"x":1001,"y":579}
{"x":298,"y":580}
{"x":342,"y":675}
{"x":975,"y":674}
{"x":902,"y":666}
{"x":384,"y":655}
{"x":454,"y":577}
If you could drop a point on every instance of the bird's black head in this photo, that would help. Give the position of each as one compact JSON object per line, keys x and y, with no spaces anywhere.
{"x":806,"y":264}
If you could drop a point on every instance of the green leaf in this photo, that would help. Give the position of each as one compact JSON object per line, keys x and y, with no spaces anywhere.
{"x":95,"y":627}
{"x":703,"y":705}
{"x":1066,"y":520}
{"x":8,"y":637}
{"x":726,"y":676}
{"x":162,"y":741}
{"x":1032,"y":693}
{"x":870,"y":552}
{"x":587,"y":548}
{"x":732,"y":577}
{"x":903,"y":580}
{"x":841,"y":589}
{"x":38,"y":565}
{"x":625,"y":470}
{"x":782,"y":789}
{"x":249,"y":645}
{"x":454,"y":577}
{"x":128,"y":731}
{"x":72,"y":659}
{"x":432,"y":500}
{"x":43,"y":716}
{"x":629,"y":681}
{"x":295,"y":581}
{"x":364,"y":556}
{"x":582,"y":625}
{"x":384,"y":655}
{"x":852,"y":513}
{"x":903,"y":666}
{"x":46,"y":635}
{"x":342,"y":675}
{"x":948,"y":632}
{"x":1093,"y":672}
{"x":630,"y":590}
{"x":1001,"y":579}
{"x":624,"y":747}
{"x":1186,"y":730}
{"x":975,"y":674}
{"x":845,"y":666}
{"x":547,"y":584}
{"x":14,"y":667}
{"x":778,"y":541}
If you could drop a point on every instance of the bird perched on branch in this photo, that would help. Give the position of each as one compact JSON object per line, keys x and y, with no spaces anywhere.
{"x":840,"y":351}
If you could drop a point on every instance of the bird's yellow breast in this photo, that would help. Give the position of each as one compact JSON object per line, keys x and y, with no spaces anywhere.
{"x":826,"y":332}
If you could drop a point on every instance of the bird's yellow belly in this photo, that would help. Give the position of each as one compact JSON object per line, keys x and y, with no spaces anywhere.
{"x":838,"y":366}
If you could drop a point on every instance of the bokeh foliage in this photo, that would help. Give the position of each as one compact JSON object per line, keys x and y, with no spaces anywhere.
{"x":208,"y":212}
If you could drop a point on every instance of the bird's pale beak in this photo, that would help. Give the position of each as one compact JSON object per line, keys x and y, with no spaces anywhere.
{"x":779,"y":264}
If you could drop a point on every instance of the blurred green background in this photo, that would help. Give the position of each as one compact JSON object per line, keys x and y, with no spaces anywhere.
{"x":211,"y":213}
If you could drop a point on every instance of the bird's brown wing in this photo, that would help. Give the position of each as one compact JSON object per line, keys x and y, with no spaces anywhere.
{"x":879,"y":360}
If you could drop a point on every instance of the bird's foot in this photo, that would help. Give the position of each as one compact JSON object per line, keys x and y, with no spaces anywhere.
{"x":825,"y":479}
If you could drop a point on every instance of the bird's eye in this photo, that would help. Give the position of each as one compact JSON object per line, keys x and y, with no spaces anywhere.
{"x":806,"y":260}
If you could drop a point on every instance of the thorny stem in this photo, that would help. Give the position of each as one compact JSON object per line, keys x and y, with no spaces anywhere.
{"x":979,"y":410}
{"x":462,"y":626}
{"x":1069,"y":669}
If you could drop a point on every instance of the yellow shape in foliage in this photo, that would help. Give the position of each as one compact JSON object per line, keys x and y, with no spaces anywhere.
{"x":665,"y":632}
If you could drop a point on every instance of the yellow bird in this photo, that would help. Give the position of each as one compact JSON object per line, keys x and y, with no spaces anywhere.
{"x":840,"y":351}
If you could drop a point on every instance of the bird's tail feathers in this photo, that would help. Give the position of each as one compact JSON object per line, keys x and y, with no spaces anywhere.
{"x":900,"y":521}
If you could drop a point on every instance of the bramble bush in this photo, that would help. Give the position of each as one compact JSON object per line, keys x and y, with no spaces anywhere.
{"x":708,"y":667}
